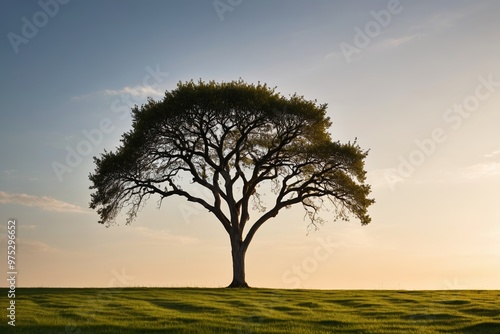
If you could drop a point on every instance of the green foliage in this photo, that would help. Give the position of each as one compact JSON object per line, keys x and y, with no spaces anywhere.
{"x":231,"y":138}
{"x":187,"y":310}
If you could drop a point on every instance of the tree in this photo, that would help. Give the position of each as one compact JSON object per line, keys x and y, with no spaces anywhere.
{"x":234,"y":140}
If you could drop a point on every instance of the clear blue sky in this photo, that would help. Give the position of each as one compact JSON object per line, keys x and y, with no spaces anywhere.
{"x":394,"y":73}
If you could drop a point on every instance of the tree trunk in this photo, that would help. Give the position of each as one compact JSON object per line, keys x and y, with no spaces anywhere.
{"x":238,"y":254}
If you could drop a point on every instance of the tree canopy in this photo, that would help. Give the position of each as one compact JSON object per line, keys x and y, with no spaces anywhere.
{"x":233,"y":139}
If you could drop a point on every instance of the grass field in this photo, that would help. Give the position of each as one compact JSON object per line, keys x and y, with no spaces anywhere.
{"x":190,"y":310}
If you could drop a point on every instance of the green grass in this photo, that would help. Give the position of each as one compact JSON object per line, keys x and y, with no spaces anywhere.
{"x":190,"y":310}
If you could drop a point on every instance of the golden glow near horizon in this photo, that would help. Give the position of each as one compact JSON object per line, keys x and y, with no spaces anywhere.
{"x":417,"y":83}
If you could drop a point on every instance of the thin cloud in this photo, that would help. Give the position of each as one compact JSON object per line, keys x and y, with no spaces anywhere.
{"x":35,"y":246}
{"x":333,"y":55}
{"x":395,"y":42}
{"x":492,"y":154}
{"x":9,"y":173}
{"x":84,"y":96}
{"x":355,"y":238}
{"x":384,"y":178}
{"x":489,"y":167}
{"x":12,"y":174}
{"x":494,"y":234}
{"x":28,"y":227}
{"x":481,"y":170}
{"x":163,"y":235}
{"x":30,"y":246}
{"x":44,"y":202}
{"x":443,"y":20}
{"x":138,"y":91}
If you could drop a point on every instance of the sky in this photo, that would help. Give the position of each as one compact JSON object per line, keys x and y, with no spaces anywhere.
{"x":416,"y":82}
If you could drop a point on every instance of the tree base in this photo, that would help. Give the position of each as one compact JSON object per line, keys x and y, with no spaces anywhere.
{"x":237,"y":284}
